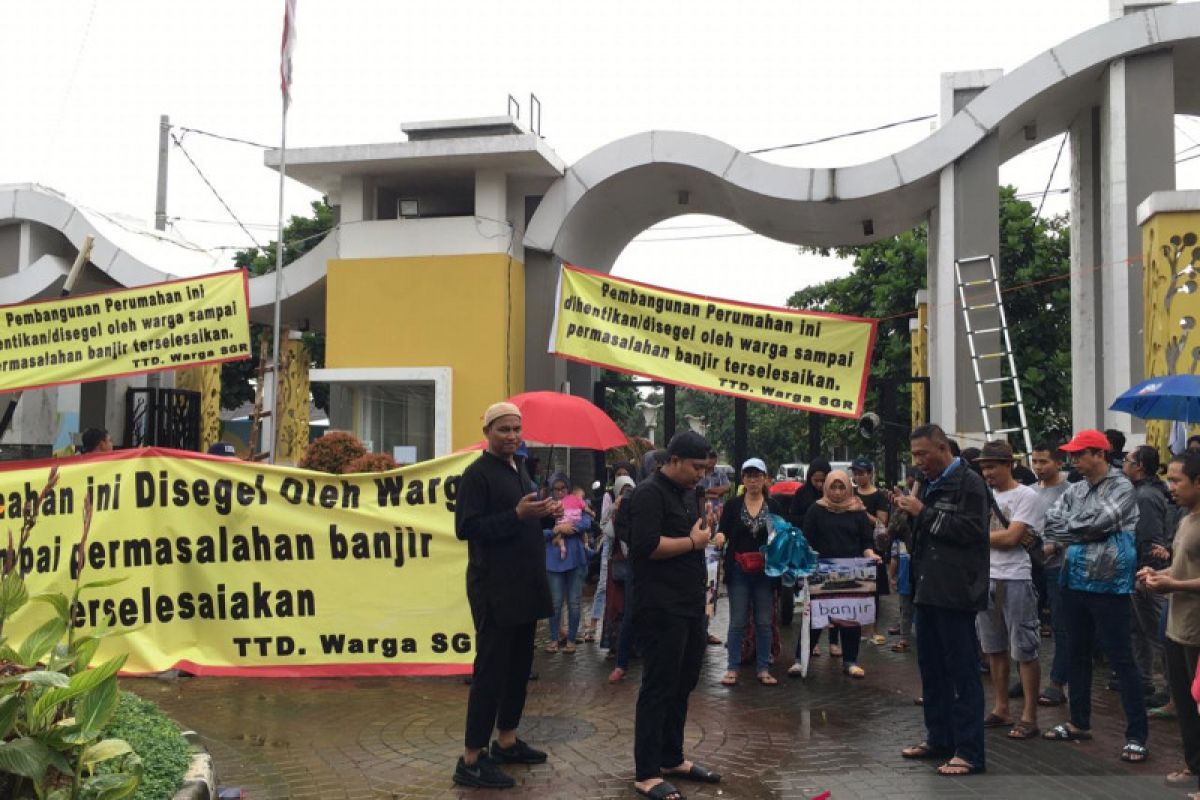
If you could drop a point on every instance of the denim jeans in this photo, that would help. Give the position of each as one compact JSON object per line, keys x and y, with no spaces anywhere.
{"x":744,"y":591}
{"x":1058,"y":623}
{"x":948,"y":657}
{"x":601,"y":587}
{"x":566,"y":586}
{"x":1092,"y":617}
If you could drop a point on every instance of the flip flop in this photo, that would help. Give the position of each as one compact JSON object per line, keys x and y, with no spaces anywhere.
{"x":697,"y":773}
{"x":996,"y":721}
{"x":1023,"y":730}
{"x":767,"y":679}
{"x":1051,"y":696}
{"x":959,"y":769}
{"x":923,"y":751}
{"x":730,"y":679}
{"x":662,"y":791}
{"x":1134,"y":752}
{"x":1062,"y":733}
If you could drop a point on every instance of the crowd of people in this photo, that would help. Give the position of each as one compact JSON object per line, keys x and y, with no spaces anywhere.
{"x":991,"y":561}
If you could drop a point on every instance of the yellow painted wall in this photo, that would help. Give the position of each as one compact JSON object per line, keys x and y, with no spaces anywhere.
{"x":464,"y":312}
{"x":1171,"y":303}
{"x":919,"y":344}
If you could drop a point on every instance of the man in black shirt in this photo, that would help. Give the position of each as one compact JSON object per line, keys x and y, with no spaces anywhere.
{"x":668,"y":534}
{"x":508,"y":593}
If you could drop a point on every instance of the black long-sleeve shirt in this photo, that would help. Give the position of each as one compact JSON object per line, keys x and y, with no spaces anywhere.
{"x":506,"y":556}
{"x":661,"y":508}
{"x":833,"y":535}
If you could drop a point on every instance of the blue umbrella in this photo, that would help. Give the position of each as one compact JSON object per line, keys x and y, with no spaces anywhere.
{"x":1173,"y":397}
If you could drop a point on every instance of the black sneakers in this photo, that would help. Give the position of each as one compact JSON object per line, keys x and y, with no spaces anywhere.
{"x":519,"y":753}
{"x":484,"y":774}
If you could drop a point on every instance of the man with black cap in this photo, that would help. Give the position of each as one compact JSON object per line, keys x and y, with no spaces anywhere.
{"x":508,"y":592}
{"x":1093,"y":525}
{"x":669,"y":532}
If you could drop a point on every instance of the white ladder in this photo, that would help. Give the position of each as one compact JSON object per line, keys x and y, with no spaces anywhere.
{"x":989,"y":306}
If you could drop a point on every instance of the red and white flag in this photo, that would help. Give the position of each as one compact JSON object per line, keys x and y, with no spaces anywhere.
{"x":285,"y":50}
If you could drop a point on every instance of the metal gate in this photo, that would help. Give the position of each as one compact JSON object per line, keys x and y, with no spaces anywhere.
{"x":162,"y":418}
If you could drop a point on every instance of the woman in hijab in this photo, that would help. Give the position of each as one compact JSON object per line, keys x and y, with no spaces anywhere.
{"x":837,"y":526}
{"x":566,"y":562}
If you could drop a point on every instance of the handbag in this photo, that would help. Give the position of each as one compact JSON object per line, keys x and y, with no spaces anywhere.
{"x":619,"y":570}
{"x":752,"y":562}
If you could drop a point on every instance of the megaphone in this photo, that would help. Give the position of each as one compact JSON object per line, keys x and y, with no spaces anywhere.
{"x":868,"y":425}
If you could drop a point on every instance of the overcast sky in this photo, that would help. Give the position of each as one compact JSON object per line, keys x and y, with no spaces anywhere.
{"x":85,"y":83}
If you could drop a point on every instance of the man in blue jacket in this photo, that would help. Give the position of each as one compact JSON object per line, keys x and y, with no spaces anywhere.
{"x":950,"y":565}
{"x":1093,"y":524}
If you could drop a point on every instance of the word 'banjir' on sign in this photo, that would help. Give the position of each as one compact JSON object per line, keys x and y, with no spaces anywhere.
{"x":91,"y":337}
{"x":225,"y":567}
{"x":802,"y":359}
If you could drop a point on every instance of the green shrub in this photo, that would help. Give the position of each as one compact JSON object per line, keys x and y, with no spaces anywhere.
{"x":156,"y":738}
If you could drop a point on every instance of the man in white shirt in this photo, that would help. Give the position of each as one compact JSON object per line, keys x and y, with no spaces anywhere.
{"x":1009,"y":627}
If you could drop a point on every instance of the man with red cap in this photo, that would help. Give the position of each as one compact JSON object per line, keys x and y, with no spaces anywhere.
{"x":1092,"y":525}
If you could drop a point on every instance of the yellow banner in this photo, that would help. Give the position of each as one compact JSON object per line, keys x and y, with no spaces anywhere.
{"x":92,"y":337}
{"x":802,"y":359}
{"x":239,"y":568}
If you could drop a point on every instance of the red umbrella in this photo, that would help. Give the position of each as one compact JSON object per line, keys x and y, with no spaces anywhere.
{"x":564,"y":420}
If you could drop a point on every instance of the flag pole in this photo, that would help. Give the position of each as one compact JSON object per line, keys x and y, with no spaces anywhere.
{"x":285,"y":85}
{"x":275,"y":410}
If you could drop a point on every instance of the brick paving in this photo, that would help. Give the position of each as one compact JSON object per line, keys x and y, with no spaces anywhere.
{"x":366,"y":739}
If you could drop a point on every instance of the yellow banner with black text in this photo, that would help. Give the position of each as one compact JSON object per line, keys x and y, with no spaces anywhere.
{"x":239,"y":568}
{"x":92,"y":337}
{"x":801,"y":359}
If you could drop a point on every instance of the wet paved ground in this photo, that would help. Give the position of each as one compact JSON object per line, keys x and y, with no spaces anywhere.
{"x":399,"y":738}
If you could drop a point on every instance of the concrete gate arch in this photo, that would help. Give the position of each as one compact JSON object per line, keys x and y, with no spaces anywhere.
{"x":1114,"y":89}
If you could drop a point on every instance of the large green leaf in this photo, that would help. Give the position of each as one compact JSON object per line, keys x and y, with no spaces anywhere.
{"x":9,"y":707}
{"x":102,"y":583}
{"x":95,"y":707}
{"x":80,"y":682}
{"x":85,"y":651}
{"x":39,"y":677}
{"x":26,"y":757}
{"x":105,"y":749}
{"x":58,"y":600}
{"x":13,"y":594}
{"x":41,"y":642}
{"x":116,"y":785}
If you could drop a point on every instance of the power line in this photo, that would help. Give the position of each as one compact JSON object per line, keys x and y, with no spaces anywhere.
{"x":846,"y":135}
{"x":213,"y":189}
{"x":222,"y":137}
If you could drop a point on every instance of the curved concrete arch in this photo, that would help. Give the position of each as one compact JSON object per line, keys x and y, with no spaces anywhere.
{"x":620,"y":189}
{"x":126,"y":253}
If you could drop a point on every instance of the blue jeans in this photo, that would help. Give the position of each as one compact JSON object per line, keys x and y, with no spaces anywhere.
{"x":566,"y":586}
{"x":948,"y":657}
{"x":602,"y":587}
{"x":745,"y":590}
{"x":1058,"y":623}
{"x":1092,"y":617}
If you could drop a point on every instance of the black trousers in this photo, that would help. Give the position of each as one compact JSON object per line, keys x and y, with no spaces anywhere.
{"x":672,"y":650}
{"x":503,"y":658}
{"x":1181,"y":671}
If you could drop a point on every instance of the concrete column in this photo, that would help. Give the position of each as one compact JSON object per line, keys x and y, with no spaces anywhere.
{"x":357,"y":198}
{"x":1137,"y":140}
{"x":964,"y":225}
{"x":543,"y":372}
{"x":491,"y":200}
{"x":1086,"y":279}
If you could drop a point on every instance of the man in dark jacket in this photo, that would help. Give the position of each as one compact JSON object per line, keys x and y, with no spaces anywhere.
{"x":508,"y":592}
{"x":1140,"y":465}
{"x":950,"y":566}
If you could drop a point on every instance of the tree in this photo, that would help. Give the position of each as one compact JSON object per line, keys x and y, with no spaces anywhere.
{"x":1034,"y":262}
{"x":300,"y":235}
